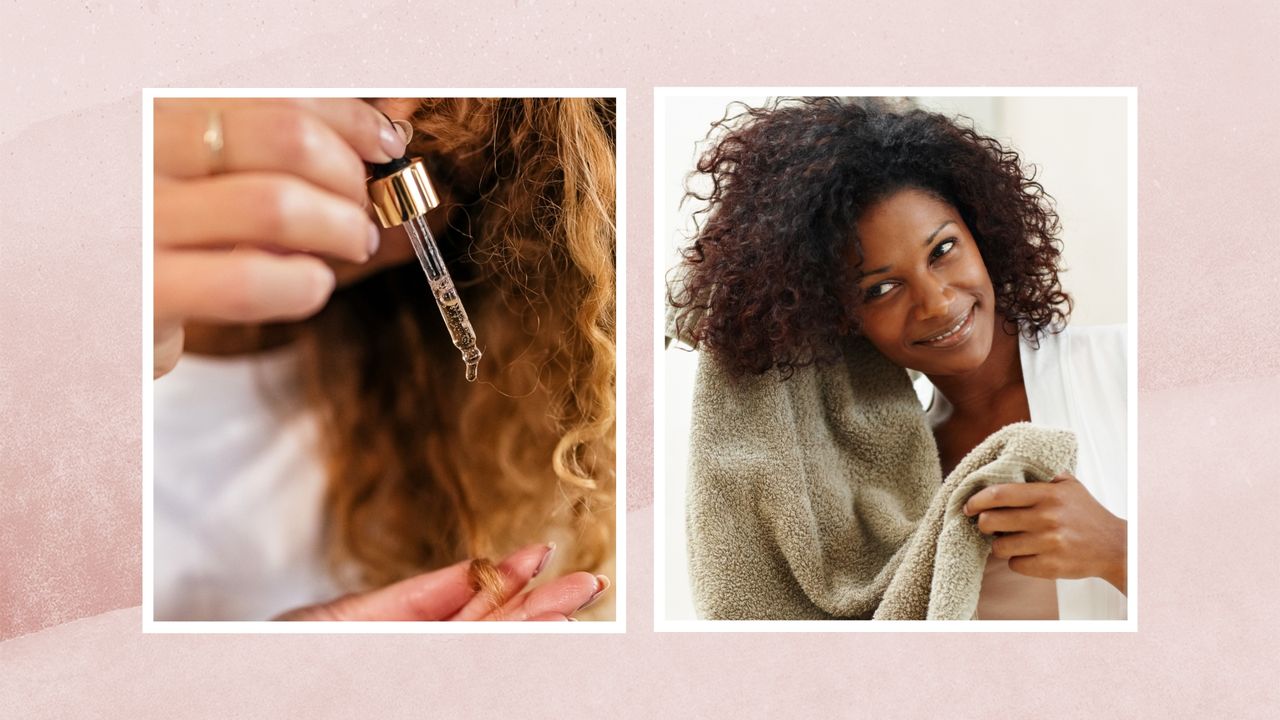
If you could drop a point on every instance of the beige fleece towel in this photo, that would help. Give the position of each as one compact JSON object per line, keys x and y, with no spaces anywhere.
{"x":822,"y":497}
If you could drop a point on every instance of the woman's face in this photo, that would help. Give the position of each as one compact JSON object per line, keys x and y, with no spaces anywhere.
{"x":927,"y":301}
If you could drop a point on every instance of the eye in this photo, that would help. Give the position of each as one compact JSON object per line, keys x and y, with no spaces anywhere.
{"x":942,"y":248}
{"x":878,"y":290}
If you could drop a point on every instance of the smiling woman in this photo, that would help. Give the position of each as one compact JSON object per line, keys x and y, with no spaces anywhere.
{"x":840,"y":234}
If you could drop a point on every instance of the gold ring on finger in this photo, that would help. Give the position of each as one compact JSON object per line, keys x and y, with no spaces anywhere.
{"x":214,"y":141}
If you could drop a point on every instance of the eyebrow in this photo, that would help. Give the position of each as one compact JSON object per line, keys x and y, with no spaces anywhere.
{"x":927,"y":241}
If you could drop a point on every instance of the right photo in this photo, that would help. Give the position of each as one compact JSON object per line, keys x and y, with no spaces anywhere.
{"x":897,"y":369}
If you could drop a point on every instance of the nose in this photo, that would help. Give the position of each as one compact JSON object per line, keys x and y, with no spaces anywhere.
{"x":933,"y":298}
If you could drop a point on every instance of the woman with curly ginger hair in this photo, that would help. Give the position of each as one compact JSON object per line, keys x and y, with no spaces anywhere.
{"x":828,"y":218}
{"x":318,"y":437}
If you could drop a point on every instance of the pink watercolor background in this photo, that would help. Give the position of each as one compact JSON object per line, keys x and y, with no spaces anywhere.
{"x":70,"y":361}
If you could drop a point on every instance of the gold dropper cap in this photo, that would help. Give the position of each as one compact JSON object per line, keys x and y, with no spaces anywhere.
{"x":401,"y":190}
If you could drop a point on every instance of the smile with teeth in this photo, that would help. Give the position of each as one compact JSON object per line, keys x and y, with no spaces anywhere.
{"x":953,"y":334}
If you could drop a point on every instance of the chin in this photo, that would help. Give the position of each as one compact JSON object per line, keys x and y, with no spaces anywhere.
{"x":958,"y":364}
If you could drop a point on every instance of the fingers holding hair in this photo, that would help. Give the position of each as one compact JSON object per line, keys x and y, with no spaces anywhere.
{"x":495,"y":589}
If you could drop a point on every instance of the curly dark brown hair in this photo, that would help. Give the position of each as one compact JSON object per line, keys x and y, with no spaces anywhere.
{"x":766,"y":284}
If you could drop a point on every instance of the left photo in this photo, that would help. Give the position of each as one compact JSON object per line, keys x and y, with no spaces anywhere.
{"x":380,"y":357}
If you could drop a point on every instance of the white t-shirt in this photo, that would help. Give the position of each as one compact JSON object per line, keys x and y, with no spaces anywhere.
{"x":238,"y":491}
{"x":239,"y":488}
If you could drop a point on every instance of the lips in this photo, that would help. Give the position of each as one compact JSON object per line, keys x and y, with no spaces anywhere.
{"x":952,"y":334}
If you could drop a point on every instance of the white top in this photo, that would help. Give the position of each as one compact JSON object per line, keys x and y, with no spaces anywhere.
{"x":1078,"y":380}
{"x":238,"y":490}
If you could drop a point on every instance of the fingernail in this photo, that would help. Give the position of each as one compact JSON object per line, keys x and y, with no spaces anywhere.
{"x":573,"y":619}
{"x":405,"y":130}
{"x":546,"y":559}
{"x":602,"y":584}
{"x":391,"y":140}
{"x":326,"y":281}
{"x":375,"y":239}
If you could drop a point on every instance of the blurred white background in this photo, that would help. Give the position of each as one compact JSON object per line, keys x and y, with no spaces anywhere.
{"x":1080,"y":148}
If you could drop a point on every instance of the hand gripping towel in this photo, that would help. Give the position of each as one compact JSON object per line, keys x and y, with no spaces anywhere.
{"x":821,"y":496}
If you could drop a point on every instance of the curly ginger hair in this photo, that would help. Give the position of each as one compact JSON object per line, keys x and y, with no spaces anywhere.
{"x":425,"y":469}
